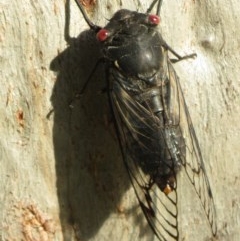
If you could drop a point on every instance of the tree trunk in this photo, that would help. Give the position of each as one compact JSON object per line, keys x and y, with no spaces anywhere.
{"x":62,"y":175}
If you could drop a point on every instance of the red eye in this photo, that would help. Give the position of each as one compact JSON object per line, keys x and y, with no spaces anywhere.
{"x":102,"y":34}
{"x":154,"y":19}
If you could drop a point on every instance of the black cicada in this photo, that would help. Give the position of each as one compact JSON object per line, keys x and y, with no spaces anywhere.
{"x":155,"y":130}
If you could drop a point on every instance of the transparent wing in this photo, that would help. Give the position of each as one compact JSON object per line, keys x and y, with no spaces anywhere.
{"x":193,"y":161}
{"x":142,"y":137}
{"x":140,"y":134}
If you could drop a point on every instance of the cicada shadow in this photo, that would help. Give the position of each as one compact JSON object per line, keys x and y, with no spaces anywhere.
{"x":91,"y":178}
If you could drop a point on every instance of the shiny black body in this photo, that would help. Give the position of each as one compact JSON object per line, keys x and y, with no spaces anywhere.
{"x":138,"y":74}
{"x":153,"y":123}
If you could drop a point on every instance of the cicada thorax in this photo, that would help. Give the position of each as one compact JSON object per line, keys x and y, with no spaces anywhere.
{"x":132,"y":43}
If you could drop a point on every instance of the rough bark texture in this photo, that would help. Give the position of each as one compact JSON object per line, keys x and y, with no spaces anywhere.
{"x":62,"y":177}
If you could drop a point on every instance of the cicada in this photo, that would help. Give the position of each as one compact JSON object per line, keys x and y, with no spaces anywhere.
{"x":156,"y":134}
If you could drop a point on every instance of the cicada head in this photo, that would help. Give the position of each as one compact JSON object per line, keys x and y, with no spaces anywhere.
{"x":131,"y":41}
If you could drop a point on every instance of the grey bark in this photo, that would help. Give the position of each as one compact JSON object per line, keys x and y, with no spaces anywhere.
{"x":62,"y":177}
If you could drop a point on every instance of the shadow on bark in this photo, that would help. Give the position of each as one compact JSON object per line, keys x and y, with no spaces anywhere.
{"x":91,"y":177}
